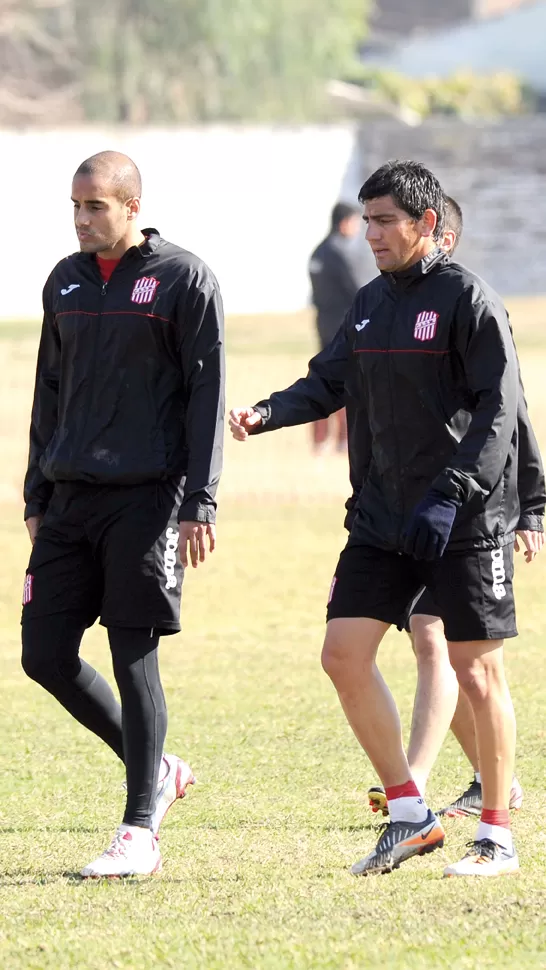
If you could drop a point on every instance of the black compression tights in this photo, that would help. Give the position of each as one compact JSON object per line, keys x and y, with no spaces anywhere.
{"x":136,"y":730}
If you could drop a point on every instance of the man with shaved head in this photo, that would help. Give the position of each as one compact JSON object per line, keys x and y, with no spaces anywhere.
{"x":126,"y":444}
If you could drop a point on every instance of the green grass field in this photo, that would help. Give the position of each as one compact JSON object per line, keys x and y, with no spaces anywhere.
{"x":256,"y":858}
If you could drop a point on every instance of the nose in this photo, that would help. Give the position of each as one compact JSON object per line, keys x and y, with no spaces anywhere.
{"x":82,"y":218}
{"x":373,"y":232}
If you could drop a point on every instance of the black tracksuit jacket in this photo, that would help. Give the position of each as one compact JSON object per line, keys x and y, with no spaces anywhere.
{"x":335,"y":270}
{"x":427,"y":356}
{"x":130,"y":377}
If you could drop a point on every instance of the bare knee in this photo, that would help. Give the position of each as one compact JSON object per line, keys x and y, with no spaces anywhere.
{"x":473,"y":681}
{"x":348,"y":655}
{"x":478,"y":676}
{"x":428,"y":640}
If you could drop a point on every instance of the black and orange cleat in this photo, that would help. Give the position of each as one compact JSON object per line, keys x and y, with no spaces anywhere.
{"x":401,"y":841}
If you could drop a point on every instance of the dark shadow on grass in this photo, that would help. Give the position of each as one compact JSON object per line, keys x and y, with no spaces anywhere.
{"x":361,"y":827}
{"x":55,"y":829}
{"x":15,"y":879}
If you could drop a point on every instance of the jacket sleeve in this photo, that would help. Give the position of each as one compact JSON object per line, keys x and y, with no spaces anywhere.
{"x":485,"y":347}
{"x":531,"y":486}
{"x":38,"y":489}
{"x":316,"y":396}
{"x":201,"y":330}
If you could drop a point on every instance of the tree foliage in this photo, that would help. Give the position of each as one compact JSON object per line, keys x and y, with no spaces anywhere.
{"x":463,"y":94}
{"x":158,"y":61}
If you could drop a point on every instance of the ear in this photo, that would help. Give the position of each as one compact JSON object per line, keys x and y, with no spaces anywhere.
{"x":428,"y":222}
{"x":448,"y":241}
{"x":133,"y":206}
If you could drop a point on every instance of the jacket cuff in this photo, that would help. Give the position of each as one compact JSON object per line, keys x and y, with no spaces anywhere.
{"x":530,"y":522}
{"x":195,"y":511}
{"x":34,"y":508}
{"x":264,"y":410}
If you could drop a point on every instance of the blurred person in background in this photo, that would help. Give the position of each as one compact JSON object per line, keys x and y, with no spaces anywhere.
{"x":125,"y":457}
{"x":336,"y":274}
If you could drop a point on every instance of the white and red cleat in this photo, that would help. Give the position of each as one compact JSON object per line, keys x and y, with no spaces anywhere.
{"x":132,"y":852}
{"x":177,"y":776}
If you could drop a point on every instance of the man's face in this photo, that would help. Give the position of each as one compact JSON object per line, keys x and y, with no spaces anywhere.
{"x":100,"y":218}
{"x":397,"y":241}
{"x":351,"y":226}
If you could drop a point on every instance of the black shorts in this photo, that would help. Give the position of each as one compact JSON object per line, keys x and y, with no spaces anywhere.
{"x":423,"y":603}
{"x":108,"y":552}
{"x":472,"y":589}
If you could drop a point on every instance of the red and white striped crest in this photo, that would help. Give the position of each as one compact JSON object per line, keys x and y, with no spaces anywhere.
{"x":27,"y":589}
{"x":144,"y":289}
{"x":425,"y":325}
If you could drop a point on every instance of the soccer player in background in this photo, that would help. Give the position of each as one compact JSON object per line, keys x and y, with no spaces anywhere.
{"x":432,"y":363}
{"x":125,"y":457}
{"x":336,"y":274}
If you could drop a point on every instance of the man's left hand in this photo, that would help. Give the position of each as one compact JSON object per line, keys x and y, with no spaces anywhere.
{"x":195,"y":535}
{"x":532,"y":542}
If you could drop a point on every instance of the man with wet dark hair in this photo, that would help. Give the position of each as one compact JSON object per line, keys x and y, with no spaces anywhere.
{"x":432,"y":364}
{"x":125,"y":458}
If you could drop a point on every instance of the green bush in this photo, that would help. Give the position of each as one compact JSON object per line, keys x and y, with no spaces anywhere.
{"x":463,"y":94}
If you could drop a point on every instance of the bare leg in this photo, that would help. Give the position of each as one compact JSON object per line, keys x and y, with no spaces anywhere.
{"x":463,"y":728}
{"x":319,"y":431}
{"x":480,"y":672}
{"x":348,"y":657}
{"x":340,"y":419}
{"x":435,"y":696}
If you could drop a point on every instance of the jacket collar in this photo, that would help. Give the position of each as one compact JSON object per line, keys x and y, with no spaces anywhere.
{"x":421,"y":268}
{"x":150,"y":245}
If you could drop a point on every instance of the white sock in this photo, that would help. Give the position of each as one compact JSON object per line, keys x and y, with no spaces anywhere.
{"x":411,"y":808}
{"x":496,"y":833}
{"x":136,"y":831}
{"x":478,"y":777}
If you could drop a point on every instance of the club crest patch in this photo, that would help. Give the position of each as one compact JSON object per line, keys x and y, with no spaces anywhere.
{"x":144,"y":289}
{"x":27,"y":589}
{"x":425,"y":325}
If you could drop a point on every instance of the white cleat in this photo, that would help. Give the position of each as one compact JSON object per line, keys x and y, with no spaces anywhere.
{"x":516,"y":796}
{"x":485,"y":858}
{"x":172,"y":786}
{"x":132,"y":852}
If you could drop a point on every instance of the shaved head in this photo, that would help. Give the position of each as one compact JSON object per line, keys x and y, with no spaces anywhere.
{"x":106,"y":192}
{"x":115,"y":170}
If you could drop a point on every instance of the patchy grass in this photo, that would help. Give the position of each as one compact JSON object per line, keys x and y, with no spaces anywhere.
{"x":256,"y":858}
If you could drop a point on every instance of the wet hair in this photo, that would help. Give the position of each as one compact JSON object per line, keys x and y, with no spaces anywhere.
{"x":342,"y":211}
{"x":413,"y":188}
{"x":117,"y":169}
{"x":454,"y":220}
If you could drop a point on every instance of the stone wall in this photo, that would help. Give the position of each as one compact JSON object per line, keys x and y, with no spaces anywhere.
{"x":498,"y":175}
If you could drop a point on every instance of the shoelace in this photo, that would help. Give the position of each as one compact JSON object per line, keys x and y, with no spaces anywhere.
{"x":483,"y":847}
{"x":386,"y":839}
{"x":116,"y":848}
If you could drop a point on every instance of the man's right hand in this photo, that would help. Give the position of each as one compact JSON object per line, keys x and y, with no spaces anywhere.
{"x":242,"y":421}
{"x":33,"y":523}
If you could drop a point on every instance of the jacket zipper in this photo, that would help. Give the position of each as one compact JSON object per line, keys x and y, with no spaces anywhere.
{"x":94,"y":359}
{"x":396,"y":442}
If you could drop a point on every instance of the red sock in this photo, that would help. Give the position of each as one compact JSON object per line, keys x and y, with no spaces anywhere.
{"x":408,"y":790}
{"x":496,"y":816}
